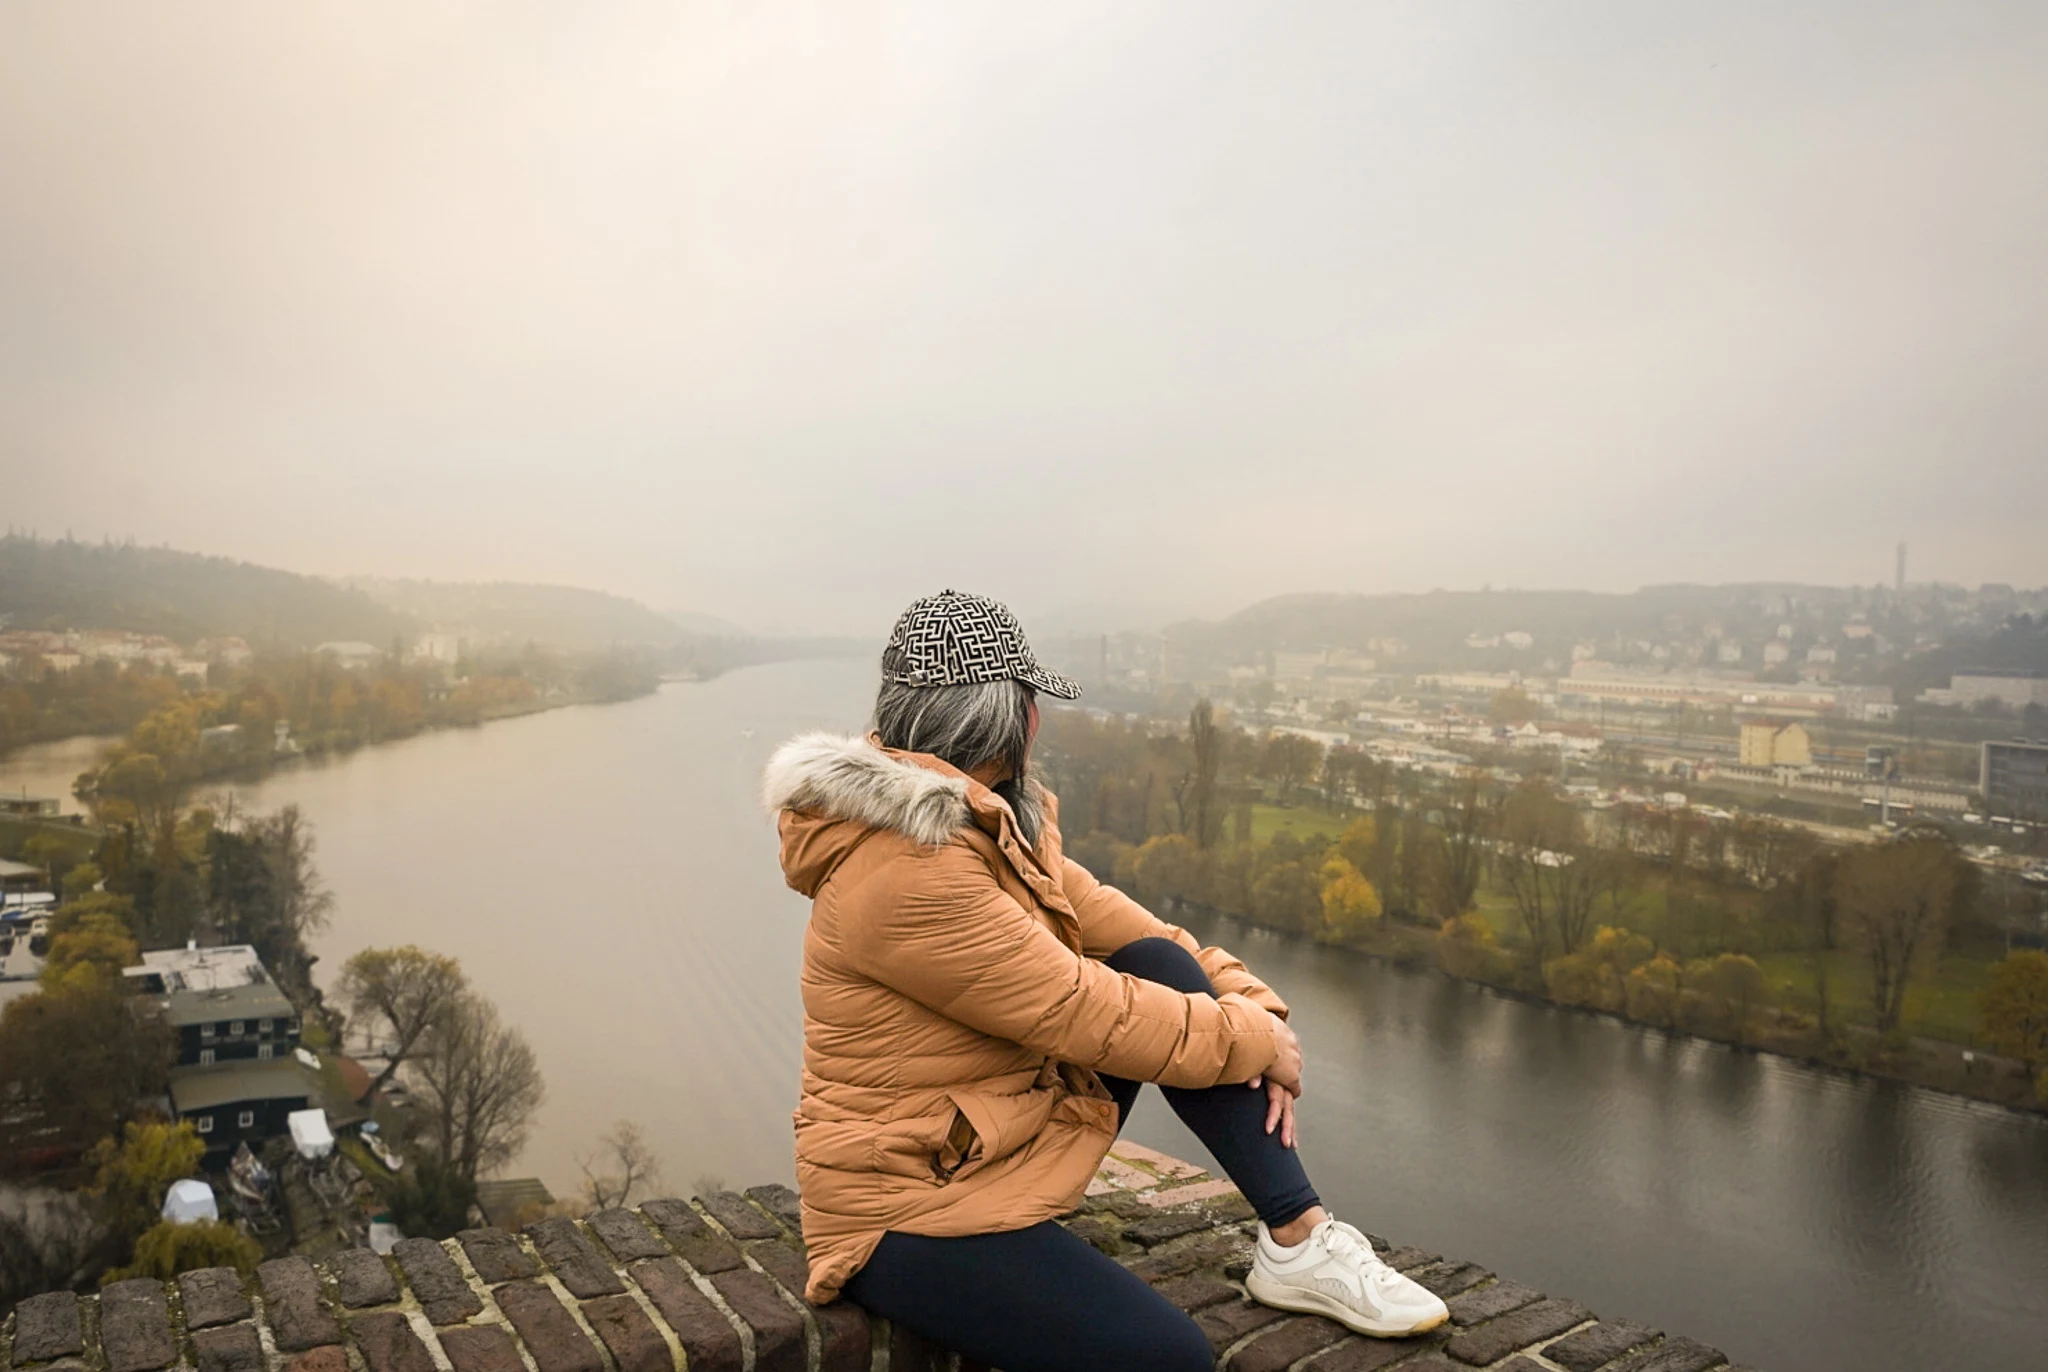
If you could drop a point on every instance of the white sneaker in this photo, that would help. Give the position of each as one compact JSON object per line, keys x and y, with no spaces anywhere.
{"x":1334,"y":1272}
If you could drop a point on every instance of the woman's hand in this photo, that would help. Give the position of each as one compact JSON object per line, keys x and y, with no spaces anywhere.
{"x":1282,"y":1082}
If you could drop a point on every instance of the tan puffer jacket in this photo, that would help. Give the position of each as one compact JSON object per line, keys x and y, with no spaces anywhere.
{"x":956,"y":1010}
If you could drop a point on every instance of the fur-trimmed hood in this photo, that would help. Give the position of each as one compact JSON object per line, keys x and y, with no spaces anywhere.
{"x":832,"y":790}
{"x":847,"y":777}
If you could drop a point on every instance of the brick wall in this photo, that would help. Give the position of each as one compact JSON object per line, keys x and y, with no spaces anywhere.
{"x":715,"y":1284}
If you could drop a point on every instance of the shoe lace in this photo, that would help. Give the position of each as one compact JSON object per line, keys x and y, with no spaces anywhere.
{"x":1348,"y":1240}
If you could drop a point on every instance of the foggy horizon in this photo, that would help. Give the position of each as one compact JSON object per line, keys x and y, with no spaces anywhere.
{"x":789,"y":318}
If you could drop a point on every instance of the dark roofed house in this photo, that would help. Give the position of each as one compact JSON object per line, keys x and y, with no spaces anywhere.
{"x":242,"y":1101}
{"x":503,"y":1202}
{"x":221,"y":1001}
{"x":31,"y":807}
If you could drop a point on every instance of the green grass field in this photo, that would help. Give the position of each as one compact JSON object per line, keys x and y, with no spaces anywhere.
{"x":1941,"y":1004}
{"x":79,"y":842}
{"x":1303,"y":821}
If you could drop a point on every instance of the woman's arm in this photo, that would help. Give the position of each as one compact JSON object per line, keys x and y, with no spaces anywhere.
{"x":949,"y":938}
{"x":1110,"y":919}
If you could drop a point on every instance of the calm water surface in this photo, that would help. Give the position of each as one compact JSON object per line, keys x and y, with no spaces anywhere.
{"x":607,"y":876}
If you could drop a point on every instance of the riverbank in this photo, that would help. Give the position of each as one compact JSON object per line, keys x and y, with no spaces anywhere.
{"x":1852,"y":1050}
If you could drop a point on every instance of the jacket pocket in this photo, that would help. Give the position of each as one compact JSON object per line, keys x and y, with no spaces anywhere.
{"x":1000,"y":1124}
{"x":913,"y":1147}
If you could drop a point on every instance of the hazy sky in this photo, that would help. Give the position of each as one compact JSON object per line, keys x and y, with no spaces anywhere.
{"x":793,"y":312}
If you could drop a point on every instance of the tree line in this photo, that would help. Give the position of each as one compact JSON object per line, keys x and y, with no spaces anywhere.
{"x":1658,"y":915}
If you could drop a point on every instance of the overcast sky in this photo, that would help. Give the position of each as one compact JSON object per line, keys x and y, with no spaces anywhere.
{"x":793,"y":312}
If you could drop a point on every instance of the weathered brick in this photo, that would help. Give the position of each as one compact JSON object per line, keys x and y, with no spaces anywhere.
{"x":482,"y":1348}
{"x":1522,"y":1362}
{"x":1494,"y":1340}
{"x":212,"y":1295}
{"x":1157,"y":1229}
{"x":709,"y":1339}
{"x":740,"y":1219}
{"x":48,"y":1326}
{"x":361,"y":1278}
{"x":326,"y":1358}
{"x":1473,"y":1307}
{"x":1216,"y":1193}
{"x":778,"y":1330}
{"x":1226,"y":1324}
{"x":842,"y":1326}
{"x":495,"y":1255}
{"x":1598,"y":1345}
{"x":627,"y":1235}
{"x":624,"y":1328}
{"x":388,"y":1343}
{"x":135,"y":1326}
{"x":1170,"y":1167}
{"x":291,"y":1297}
{"x":1674,"y":1355}
{"x":1366,"y":1355}
{"x":843,"y":1334}
{"x":781,"y":1202}
{"x":686,"y":1231}
{"x":910,"y":1351}
{"x":547,"y":1329}
{"x":235,"y":1348}
{"x":443,"y":1291}
{"x":1407,"y":1258}
{"x":1196,"y":1293}
{"x":574,"y":1259}
{"x":1281,"y":1348}
{"x":1122,"y":1204}
{"x":1448,"y":1279}
{"x":1208,"y":1251}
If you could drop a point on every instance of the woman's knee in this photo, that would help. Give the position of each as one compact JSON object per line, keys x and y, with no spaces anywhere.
{"x":1161,"y":960}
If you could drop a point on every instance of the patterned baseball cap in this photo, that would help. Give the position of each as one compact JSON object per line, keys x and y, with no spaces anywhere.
{"x":953,"y":638}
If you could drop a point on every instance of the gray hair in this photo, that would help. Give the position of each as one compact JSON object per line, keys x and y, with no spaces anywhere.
{"x":969,"y":726}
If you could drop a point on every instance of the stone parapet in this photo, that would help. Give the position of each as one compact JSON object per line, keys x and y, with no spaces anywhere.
{"x":715,"y":1284}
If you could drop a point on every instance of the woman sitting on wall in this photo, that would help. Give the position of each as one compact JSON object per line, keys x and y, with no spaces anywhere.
{"x":979,"y":1013}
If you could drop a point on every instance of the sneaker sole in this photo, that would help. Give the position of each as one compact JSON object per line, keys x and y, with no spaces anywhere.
{"x":1316,"y":1303}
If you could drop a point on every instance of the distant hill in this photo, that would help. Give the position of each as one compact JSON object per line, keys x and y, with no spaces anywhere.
{"x":1908,"y":640}
{"x":69,"y":585}
{"x":564,"y":617}
{"x":703,"y":625}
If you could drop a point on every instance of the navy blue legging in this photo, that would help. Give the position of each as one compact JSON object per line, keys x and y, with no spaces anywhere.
{"x":1041,"y":1299}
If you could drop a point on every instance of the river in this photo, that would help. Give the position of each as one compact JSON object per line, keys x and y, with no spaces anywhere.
{"x":606,"y":875}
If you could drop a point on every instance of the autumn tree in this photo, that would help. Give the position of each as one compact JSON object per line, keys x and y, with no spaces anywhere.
{"x":1205,"y":750}
{"x":480,"y":1085}
{"x":1894,"y":899}
{"x":2012,"y":1010}
{"x":1736,"y":983}
{"x":398,"y":994}
{"x":1169,"y":870}
{"x":1548,"y":869}
{"x":624,"y":1163}
{"x":74,"y":1063}
{"x":264,"y":890}
{"x":1350,"y":904}
{"x":1289,"y":761}
{"x":1467,"y":811}
{"x":135,"y":1174}
{"x":89,"y":955}
{"x":169,"y":1247}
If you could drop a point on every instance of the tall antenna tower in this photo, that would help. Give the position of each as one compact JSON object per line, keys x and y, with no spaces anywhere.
{"x":1900,"y":585}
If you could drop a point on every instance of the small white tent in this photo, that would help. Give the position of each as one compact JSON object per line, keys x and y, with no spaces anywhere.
{"x":310,"y":1134}
{"x":190,"y":1201}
